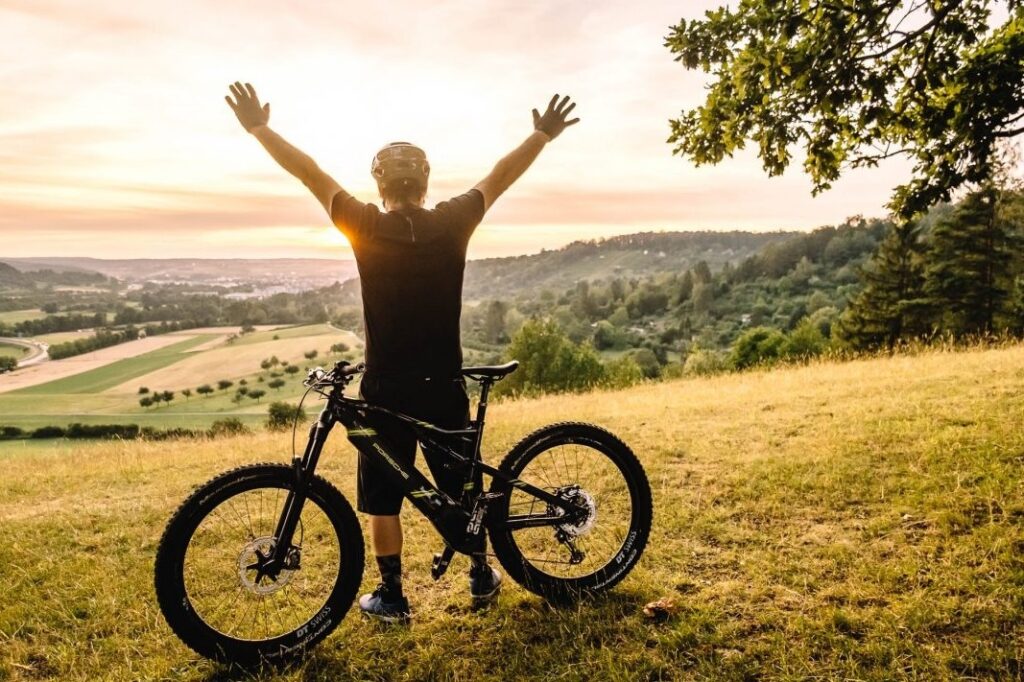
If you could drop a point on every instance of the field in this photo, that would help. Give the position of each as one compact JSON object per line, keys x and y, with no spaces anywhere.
{"x":16,"y":316}
{"x":14,"y":351}
{"x":102,"y":387}
{"x":850,"y":521}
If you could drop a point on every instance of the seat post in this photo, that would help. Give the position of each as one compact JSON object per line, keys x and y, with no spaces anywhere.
{"x":481,"y":411}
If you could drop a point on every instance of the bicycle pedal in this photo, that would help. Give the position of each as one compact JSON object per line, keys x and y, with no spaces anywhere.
{"x":441,"y":562}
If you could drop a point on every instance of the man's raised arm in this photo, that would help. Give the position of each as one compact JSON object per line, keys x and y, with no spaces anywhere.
{"x":508,"y":170}
{"x":254,"y":118}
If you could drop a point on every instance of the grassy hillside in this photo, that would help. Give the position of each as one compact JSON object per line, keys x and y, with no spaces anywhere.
{"x":853,"y":521}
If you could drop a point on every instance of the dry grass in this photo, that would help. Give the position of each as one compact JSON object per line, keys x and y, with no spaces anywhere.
{"x":848,"y":521}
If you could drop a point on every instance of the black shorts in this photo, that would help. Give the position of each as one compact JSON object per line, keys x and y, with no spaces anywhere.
{"x":442,"y":402}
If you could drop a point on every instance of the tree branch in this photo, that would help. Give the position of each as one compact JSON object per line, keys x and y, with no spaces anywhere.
{"x":913,"y":35}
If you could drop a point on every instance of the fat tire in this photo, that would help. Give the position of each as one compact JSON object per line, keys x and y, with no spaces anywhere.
{"x":169,"y":570}
{"x":550,"y":587}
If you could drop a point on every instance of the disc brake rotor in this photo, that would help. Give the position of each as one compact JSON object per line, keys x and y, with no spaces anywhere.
{"x":251,"y":559}
{"x":584,"y":501}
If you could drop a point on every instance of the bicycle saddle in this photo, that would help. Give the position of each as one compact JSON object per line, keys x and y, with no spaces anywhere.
{"x":490,"y":371}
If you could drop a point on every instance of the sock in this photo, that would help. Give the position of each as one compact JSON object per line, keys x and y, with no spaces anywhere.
{"x":391,"y":573}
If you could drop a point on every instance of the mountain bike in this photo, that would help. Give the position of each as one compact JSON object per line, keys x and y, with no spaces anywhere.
{"x":262,"y":562}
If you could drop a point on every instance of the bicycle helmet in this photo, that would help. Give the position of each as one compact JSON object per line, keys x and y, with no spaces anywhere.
{"x":400,"y":165}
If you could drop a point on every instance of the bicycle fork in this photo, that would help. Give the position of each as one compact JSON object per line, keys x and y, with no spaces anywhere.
{"x":285,"y":555}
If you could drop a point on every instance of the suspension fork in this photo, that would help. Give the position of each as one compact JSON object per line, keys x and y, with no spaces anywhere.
{"x":304,"y":469}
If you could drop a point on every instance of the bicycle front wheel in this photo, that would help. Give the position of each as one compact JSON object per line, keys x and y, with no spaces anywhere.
{"x":211,"y":588}
{"x":593,"y":470}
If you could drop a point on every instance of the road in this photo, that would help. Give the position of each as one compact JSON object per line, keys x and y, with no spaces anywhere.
{"x":37,"y":355}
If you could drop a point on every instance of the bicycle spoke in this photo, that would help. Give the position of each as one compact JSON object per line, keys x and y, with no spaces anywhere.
{"x":588,"y":477}
{"x":225,"y":593}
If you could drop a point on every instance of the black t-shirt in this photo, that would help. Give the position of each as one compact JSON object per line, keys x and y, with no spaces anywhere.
{"x":411,"y":264}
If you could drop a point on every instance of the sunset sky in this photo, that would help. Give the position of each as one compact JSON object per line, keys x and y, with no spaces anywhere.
{"x":115,"y":140}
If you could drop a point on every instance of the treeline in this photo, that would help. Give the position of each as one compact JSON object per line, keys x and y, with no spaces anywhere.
{"x":636,"y":255}
{"x":669,"y":316}
{"x":105,"y":338}
{"x":958,"y":273}
{"x":54,"y":323}
{"x":163,"y":303}
{"x":219,"y":428}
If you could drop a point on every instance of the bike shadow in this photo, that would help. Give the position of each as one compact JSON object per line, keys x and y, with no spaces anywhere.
{"x":577,"y":628}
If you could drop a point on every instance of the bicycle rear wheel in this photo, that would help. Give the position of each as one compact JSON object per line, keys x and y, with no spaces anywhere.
{"x":209,"y":584}
{"x":595,"y":471}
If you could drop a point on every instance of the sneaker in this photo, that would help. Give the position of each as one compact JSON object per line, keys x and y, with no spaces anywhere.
{"x":385,"y":607}
{"x":484,"y":585}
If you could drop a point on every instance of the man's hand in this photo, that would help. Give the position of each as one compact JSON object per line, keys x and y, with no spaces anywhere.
{"x":553,"y":122}
{"x":247,"y":107}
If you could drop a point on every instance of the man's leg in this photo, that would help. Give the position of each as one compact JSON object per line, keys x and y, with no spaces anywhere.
{"x":386,"y":535}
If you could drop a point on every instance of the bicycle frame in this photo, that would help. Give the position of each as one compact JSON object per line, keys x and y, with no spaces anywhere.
{"x":460,"y":522}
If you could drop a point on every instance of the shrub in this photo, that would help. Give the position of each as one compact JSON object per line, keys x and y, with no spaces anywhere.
{"x":103,"y":431}
{"x":231,"y":426}
{"x":281,"y":415}
{"x":291,"y":369}
{"x":11,"y":432}
{"x":550,"y":362}
{"x":7,"y":363}
{"x":146,"y":402}
{"x":276,"y":383}
{"x":703,"y":362}
{"x":339,"y":348}
{"x":225,"y":384}
{"x":647,"y":361}
{"x":257,"y":393}
{"x":48,"y":432}
{"x":806,"y":341}
{"x":205,"y":389}
{"x":310,"y":354}
{"x":757,"y":346}
{"x":143,"y":390}
{"x":622,"y":372}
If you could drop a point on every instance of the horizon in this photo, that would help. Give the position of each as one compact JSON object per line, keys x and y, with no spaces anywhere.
{"x":352,"y":258}
{"x":142,"y":158}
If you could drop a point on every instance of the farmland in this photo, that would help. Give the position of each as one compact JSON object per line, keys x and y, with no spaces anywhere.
{"x":106,"y":390}
{"x":832,"y":521}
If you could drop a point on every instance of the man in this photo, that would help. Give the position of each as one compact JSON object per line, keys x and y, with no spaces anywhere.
{"x":411,"y":262}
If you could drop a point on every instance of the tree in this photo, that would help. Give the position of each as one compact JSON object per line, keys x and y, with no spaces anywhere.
{"x":257,"y":393}
{"x":854,"y":83}
{"x":890,"y":305}
{"x":242,"y":390}
{"x":225,"y":384}
{"x":805,"y":341}
{"x":291,"y":369}
{"x":281,"y":415}
{"x":549,"y":362}
{"x":757,"y":346}
{"x":143,"y":390}
{"x":494,"y":322}
{"x":49,"y":308}
{"x":969,"y":278}
{"x":339,"y":348}
{"x":205,"y":389}
{"x":7,"y":363}
{"x":146,"y":401}
{"x":187,"y":392}
{"x":167,"y":396}
{"x":276,"y":384}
